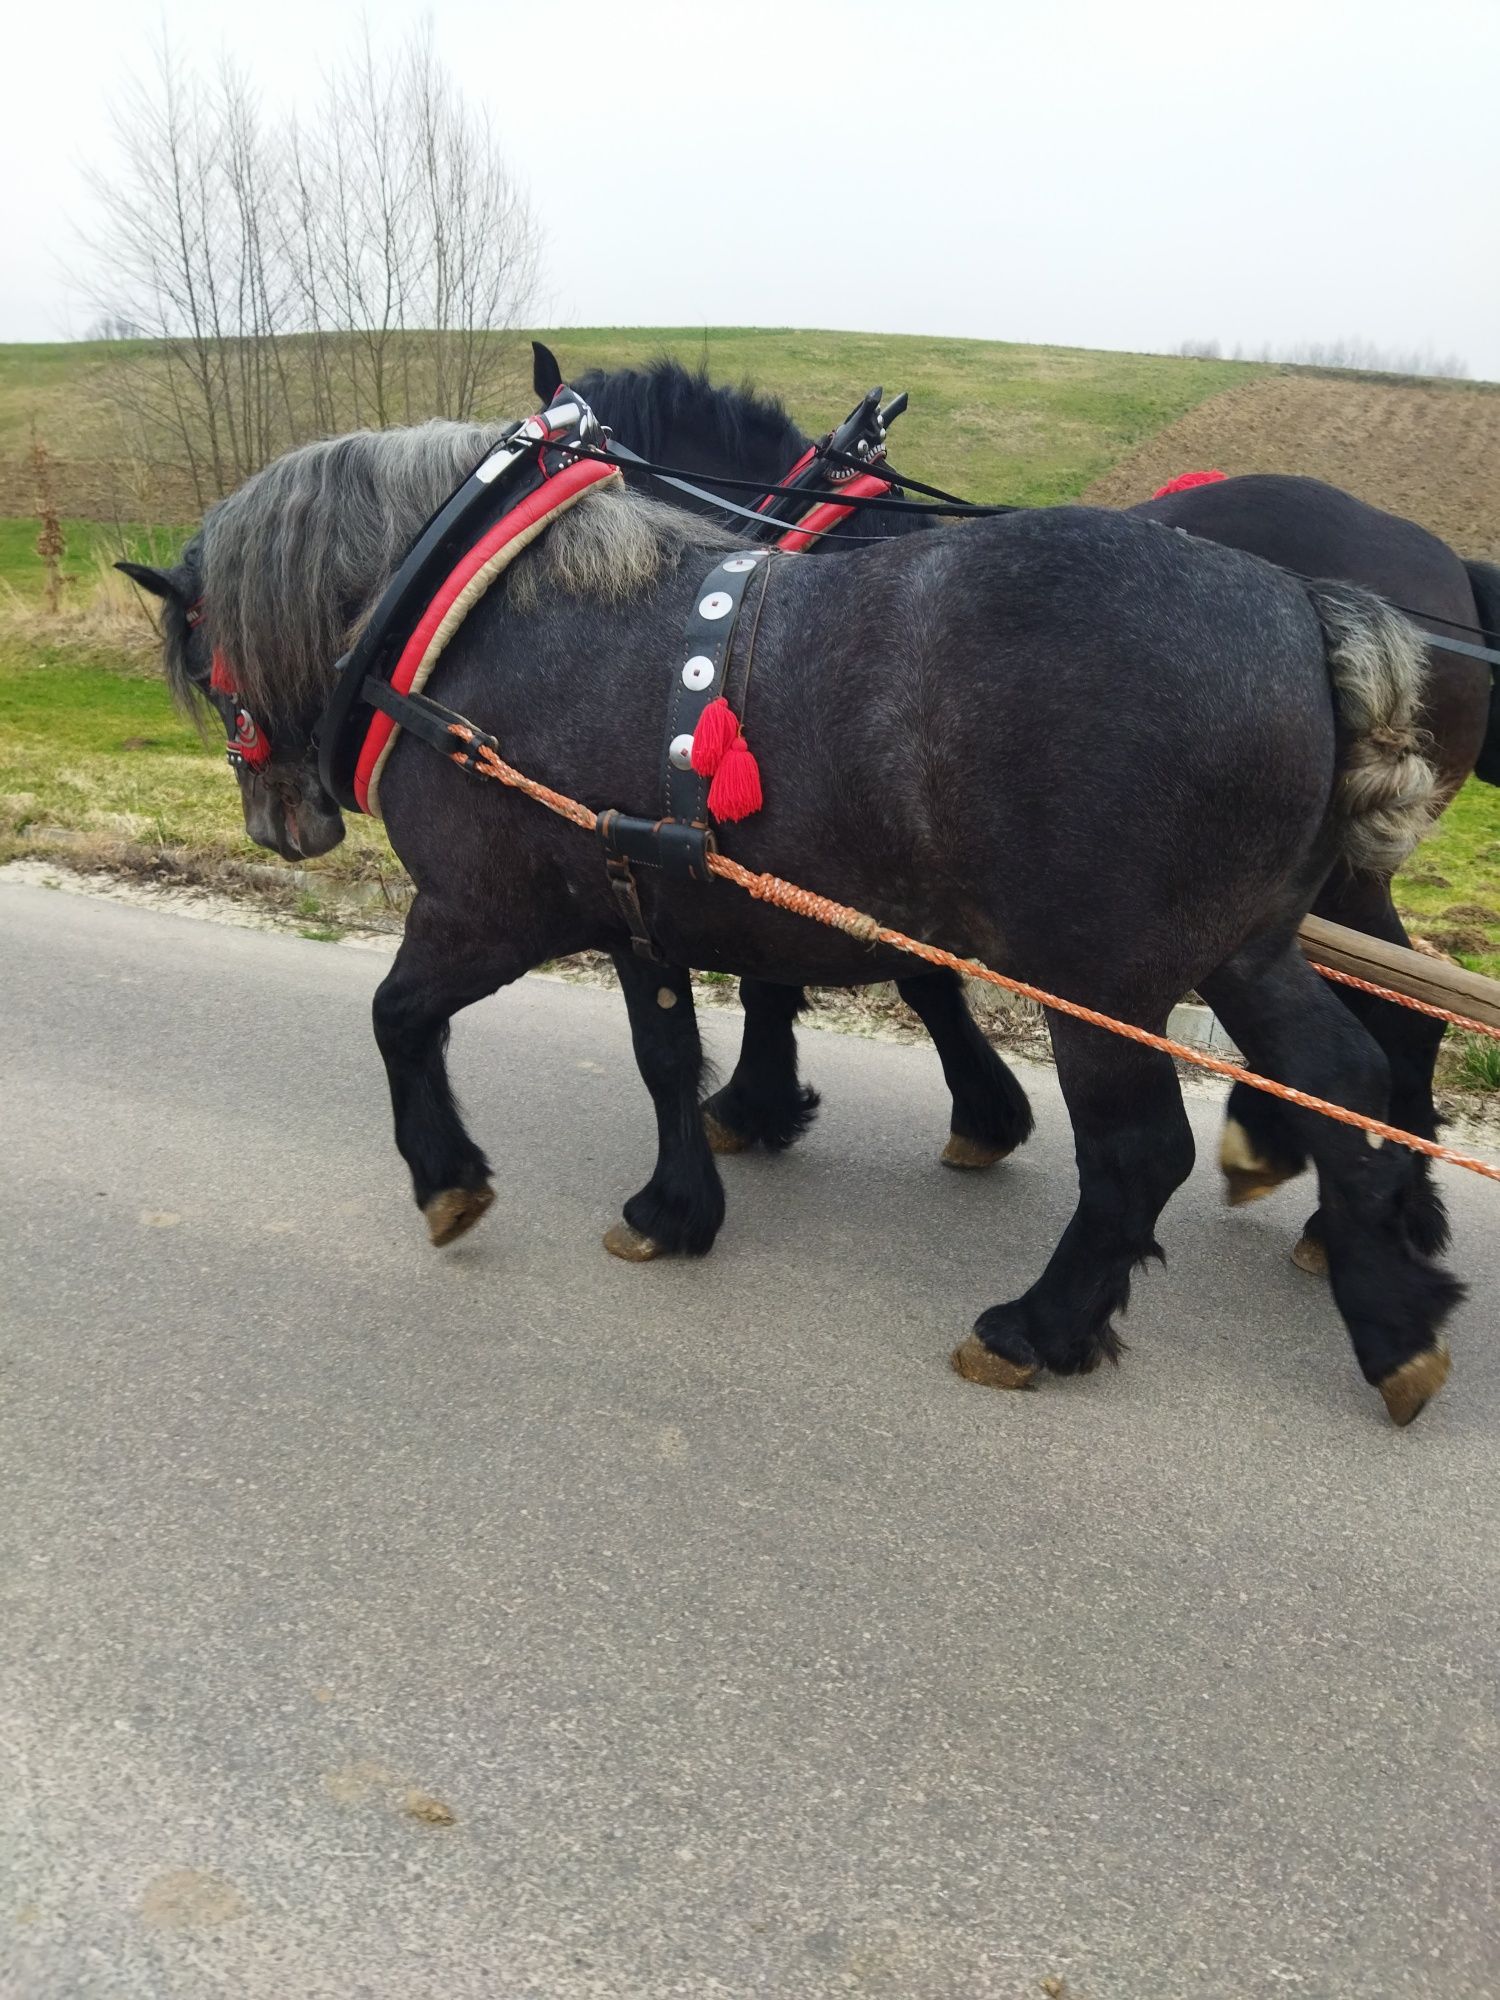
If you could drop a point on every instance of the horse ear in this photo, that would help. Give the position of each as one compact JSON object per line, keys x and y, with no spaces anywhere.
{"x":157,"y":581}
{"x":546,"y":376}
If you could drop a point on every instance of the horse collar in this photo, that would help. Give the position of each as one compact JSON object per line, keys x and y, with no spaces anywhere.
{"x":530,"y":476}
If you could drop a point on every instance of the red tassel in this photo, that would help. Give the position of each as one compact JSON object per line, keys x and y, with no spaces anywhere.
{"x":735,"y":792}
{"x":718,"y":726}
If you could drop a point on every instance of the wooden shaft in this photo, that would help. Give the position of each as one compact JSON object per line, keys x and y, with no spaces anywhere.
{"x":1403,"y":970}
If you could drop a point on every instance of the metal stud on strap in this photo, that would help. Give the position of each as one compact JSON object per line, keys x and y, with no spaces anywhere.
{"x":708,"y":637}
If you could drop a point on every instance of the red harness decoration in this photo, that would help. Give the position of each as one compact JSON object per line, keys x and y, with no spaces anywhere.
{"x":787,"y":477}
{"x":721,"y":753}
{"x":246,"y":743}
{"x":1186,"y":479}
{"x":562,"y":486}
{"x":828,"y":513}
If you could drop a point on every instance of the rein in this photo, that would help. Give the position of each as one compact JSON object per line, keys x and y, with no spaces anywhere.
{"x":674,"y":475}
{"x":943,"y":504}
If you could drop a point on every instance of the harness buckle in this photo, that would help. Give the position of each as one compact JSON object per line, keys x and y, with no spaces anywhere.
{"x":627,"y":895}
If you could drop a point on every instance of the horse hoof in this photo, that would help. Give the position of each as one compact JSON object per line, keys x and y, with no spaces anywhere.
{"x":620,"y":1240}
{"x":1240,"y":1188}
{"x":1311,"y":1255}
{"x":1246,"y":1175}
{"x":1408,"y":1390}
{"x":720,"y":1138}
{"x":455,"y":1211}
{"x":974,"y":1361}
{"x":972,"y":1155}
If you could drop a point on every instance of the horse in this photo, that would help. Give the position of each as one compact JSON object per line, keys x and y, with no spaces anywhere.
{"x":671,"y":414}
{"x":675,"y":416}
{"x":969,"y":731}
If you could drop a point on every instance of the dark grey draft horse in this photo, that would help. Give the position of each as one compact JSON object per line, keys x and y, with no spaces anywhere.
{"x":1114,"y":761}
{"x":677,"y":417}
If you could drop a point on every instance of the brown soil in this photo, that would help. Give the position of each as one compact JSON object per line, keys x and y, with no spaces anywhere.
{"x":1430,"y":451}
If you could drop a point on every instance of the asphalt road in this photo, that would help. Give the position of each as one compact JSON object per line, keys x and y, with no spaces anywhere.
{"x":511,"y":1621}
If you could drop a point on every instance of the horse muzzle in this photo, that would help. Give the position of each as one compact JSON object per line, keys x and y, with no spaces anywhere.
{"x":292,"y":816}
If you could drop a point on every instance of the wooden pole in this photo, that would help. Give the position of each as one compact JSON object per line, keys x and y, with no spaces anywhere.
{"x":1403,"y":970}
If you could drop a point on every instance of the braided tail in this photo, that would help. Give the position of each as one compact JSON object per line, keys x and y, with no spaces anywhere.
{"x":1385,"y":796}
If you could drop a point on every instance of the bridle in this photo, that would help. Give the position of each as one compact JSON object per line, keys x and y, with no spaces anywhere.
{"x":248,"y":747}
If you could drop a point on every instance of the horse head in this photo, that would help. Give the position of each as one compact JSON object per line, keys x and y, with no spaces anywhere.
{"x":272,"y":755}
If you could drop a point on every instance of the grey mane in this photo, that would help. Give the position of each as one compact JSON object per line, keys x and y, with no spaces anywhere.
{"x":292,"y":562}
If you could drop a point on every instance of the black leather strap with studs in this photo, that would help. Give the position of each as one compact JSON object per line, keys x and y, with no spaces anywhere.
{"x":699,"y":676}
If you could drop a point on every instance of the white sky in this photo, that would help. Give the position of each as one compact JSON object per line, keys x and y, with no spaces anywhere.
{"x":1104,"y":173}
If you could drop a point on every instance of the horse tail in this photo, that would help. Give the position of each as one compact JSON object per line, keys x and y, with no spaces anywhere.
{"x":1385,"y":796}
{"x":1484,"y":580}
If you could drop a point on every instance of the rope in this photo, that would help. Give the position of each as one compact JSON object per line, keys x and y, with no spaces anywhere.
{"x":1407,"y":1000}
{"x":857,"y":924}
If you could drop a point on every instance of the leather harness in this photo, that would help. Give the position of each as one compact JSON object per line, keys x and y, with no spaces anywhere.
{"x":538,"y":467}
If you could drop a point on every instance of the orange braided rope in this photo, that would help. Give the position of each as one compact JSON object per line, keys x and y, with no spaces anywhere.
{"x":822,"y":910}
{"x":1407,"y":1000}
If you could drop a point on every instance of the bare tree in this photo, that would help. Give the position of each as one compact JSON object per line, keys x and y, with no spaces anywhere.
{"x":365,"y":266}
{"x":1360,"y":356}
{"x":477,"y":249}
{"x":112,"y":326}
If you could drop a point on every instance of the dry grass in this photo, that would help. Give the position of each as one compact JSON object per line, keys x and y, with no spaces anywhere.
{"x":99,"y":612}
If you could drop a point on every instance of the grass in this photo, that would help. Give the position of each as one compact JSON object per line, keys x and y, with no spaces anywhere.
{"x":61,"y":385}
{"x":90,"y":546}
{"x":988,"y":417}
{"x":1449,"y":892}
{"x":1478,"y":1064}
{"x":96,"y":763}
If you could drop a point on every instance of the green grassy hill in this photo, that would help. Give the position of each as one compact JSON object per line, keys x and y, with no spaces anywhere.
{"x":1034,"y":424}
{"x":987,"y":417}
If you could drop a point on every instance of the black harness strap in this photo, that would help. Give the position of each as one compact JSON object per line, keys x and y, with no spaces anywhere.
{"x":680,"y":841}
{"x":442,"y":729}
{"x":519,"y":462}
{"x":681,"y":852}
{"x":700,"y":676}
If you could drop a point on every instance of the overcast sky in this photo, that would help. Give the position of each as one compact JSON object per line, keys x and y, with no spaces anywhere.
{"x":1102,"y":173}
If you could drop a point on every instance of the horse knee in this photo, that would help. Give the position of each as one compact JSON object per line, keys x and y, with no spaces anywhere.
{"x":403,"y":1026}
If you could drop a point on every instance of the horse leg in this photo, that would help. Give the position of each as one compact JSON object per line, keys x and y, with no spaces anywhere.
{"x":1261,"y":1147}
{"x":1134,"y":1148}
{"x":682,"y":1205}
{"x":991,"y":1116}
{"x":440,"y":967}
{"x":763,"y":1102}
{"x":1411,"y":1042}
{"x":1393,"y":1300}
